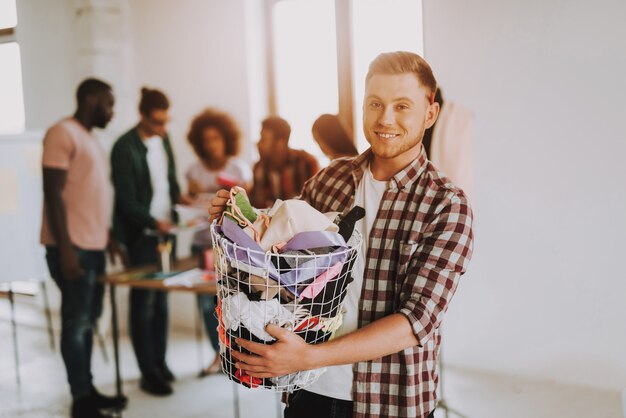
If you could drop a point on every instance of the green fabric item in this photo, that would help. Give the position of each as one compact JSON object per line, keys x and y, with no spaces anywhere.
{"x":243,"y":203}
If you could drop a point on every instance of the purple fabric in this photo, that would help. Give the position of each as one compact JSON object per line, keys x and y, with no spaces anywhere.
{"x":309,"y":270}
{"x":244,"y":249}
{"x":320,"y":281}
{"x":314,"y":239}
{"x":247,"y":251}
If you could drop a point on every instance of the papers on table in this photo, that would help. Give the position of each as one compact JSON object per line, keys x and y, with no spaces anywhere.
{"x":190,"y":278}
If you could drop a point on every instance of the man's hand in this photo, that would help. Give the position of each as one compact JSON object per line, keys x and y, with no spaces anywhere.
{"x":218,"y":204}
{"x":184,"y":199}
{"x":70,"y":267}
{"x":194,"y":188}
{"x":288,"y":354}
{"x":116,"y":251}
{"x":163,"y":227}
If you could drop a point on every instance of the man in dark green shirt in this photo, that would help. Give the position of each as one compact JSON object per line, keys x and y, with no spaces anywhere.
{"x":146,"y":190}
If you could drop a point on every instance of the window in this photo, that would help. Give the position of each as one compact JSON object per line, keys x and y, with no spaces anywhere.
{"x":370,"y":38}
{"x":8,"y":14}
{"x":309,"y":35}
{"x":305,"y":65}
{"x":12,"y":118}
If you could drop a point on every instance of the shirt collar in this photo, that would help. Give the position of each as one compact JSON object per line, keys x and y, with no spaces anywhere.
{"x":138,"y":141}
{"x":402,"y":178}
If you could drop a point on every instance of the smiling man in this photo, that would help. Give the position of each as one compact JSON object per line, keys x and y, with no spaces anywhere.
{"x":417,"y":235}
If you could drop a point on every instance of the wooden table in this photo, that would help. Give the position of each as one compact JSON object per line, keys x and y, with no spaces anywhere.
{"x":126,"y":278}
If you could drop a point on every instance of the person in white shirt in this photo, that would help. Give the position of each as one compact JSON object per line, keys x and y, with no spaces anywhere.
{"x":215,"y":138}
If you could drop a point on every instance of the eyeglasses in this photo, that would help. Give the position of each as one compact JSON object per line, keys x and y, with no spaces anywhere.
{"x":159,"y":122}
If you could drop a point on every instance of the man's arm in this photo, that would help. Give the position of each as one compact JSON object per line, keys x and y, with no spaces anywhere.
{"x":440,"y":259}
{"x":117,"y":250}
{"x":53,"y":183}
{"x":290,"y":353}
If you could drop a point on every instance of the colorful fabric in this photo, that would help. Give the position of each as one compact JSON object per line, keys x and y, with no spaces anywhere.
{"x":238,"y":310}
{"x":320,"y":281}
{"x":245,"y":254}
{"x":292,"y":217}
{"x":418,"y":248}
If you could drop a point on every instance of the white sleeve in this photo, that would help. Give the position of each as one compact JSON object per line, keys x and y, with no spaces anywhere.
{"x":244,"y":172}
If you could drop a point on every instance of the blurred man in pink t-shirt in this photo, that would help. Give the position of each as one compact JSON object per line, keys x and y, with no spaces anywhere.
{"x":75,"y":231}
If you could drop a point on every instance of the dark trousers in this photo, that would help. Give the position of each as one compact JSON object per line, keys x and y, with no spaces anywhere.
{"x":81,"y":305}
{"x":305,"y":404}
{"x":148,"y":312}
{"x":207,"y":303}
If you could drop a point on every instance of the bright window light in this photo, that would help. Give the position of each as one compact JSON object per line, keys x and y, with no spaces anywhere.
{"x":381,"y":26}
{"x":12,"y":98}
{"x":305,"y":65}
{"x":8,"y":14}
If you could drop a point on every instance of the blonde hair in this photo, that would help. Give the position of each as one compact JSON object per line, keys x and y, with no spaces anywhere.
{"x":401,"y":62}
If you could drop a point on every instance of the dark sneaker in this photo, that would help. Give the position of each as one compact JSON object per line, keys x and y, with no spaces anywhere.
{"x":166,"y":373}
{"x":108,"y":402}
{"x":155,"y":385}
{"x":85,"y":408}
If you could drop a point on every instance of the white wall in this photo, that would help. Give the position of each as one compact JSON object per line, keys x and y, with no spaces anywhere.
{"x":196,"y":52}
{"x":46,"y":35}
{"x":545,"y":78}
{"x":63,"y":42}
{"x":200,"y":53}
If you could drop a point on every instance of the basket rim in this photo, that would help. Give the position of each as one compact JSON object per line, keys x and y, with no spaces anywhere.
{"x":356,"y":238}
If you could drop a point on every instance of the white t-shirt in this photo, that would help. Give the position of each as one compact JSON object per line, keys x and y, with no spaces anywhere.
{"x":161,"y":205}
{"x":209,"y":182}
{"x":336,"y":382}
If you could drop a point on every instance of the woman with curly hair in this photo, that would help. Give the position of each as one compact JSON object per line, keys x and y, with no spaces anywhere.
{"x":215,"y":138}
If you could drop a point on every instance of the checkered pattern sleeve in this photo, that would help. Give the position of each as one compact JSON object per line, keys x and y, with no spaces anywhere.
{"x":434,"y":265}
{"x":332,"y":189}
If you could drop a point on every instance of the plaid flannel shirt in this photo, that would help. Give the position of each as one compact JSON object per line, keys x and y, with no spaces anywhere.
{"x":283,"y":183}
{"x":419,"y":246}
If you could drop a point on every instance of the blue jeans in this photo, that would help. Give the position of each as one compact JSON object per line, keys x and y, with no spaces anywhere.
{"x":148,"y":312}
{"x":81,"y":305}
{"x":207,"y":303}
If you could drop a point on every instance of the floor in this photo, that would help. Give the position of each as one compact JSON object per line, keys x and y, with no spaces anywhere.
{"x":44,"y":393}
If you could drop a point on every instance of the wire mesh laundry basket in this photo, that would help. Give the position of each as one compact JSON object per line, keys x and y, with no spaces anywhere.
{"x":299,"y":289}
